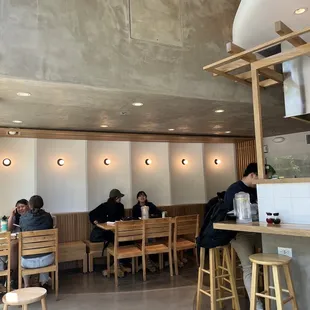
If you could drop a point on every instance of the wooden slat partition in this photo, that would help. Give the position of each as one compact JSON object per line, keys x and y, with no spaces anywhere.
{"x":245,"y":154}
{"x":76,"y":226}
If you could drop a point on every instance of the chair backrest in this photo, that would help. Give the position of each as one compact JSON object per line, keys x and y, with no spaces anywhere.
{"x":128,"y":231}
{"x":5,"y":247}
{"x":186,"y":225}
{"x":39,"y":242}
{"x":158,"y":228}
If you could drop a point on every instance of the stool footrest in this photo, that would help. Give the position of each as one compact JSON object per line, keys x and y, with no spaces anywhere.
{"x":265,"y":296}
{"x":226,"y":288}
{"x":285,"y":301}
{"x":205,"y":270}
{"x":283,"y":290}
{"x":222,"y":276}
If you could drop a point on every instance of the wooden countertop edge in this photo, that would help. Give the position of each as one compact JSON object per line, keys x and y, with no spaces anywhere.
{"x":282,"y":181}
{"x":282,"y":230}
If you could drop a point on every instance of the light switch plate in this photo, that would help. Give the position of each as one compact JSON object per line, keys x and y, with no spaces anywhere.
{"x":285,"y":251}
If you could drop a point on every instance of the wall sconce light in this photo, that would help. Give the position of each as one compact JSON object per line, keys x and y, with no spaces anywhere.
{"x":148,"y":162}
{"x":60,"y":162}
{"x":6,"y":162}
{"x":217,"y":161}
{"x":107,"y":161}
{"x":184,"y":162}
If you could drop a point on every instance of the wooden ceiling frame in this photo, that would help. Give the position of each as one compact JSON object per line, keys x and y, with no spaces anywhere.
{"x":263,"y":66}
{"x":241,"y":58}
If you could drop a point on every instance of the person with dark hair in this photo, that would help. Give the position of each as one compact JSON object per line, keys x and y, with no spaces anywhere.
{"x":245,"y":243}
{"x":142,"y":201}
{"x":21,"y":207}
{"x":36,"y":219}
{"x":110,"y":211}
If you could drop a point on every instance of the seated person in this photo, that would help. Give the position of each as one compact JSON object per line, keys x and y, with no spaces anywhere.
{"x":21,"y":208}
{"x":110,"y":211}
{"x":142,"y":201}
{"x":36,"y":219}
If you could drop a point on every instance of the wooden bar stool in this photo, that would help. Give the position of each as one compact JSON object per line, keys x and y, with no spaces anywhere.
{"x":218,"y":274}
{"x":274,"y":261}
{"x":24,"y":297}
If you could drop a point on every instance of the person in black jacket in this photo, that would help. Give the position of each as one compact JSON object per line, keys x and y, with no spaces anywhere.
{"x":142,"y":201}
{"x":110,"y":211}
{"x":36,"y":219}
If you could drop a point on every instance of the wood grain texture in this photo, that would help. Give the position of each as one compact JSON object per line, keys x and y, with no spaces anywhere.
{"x":245,"y":154}
{"x":110,"y":136}
{"x":282,"y":181}
{"x":296,"y":230}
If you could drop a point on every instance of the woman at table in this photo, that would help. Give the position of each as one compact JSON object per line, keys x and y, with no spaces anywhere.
{"x":21,"y":208}
{"x":110,"y":211}
{"x":142,"y":201}
{"x":36,"y":219}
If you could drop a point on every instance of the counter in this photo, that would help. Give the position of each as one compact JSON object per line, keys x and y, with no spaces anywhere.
{"x":295,"y":230}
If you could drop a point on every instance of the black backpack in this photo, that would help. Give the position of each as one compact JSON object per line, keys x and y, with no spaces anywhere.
{"x":210,"y":237}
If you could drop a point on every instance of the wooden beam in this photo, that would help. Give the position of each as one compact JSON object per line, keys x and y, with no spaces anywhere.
{"x":257,"y":107}
{"x":282,"y":30}
{"x":234,"y":65}
{"x":282,"y":57}
{"x":114,"y":136}
{"x":231,"y":77}
{"x":267,"y":72}
{"x":256,"y":49}
{"x":267,"y":83}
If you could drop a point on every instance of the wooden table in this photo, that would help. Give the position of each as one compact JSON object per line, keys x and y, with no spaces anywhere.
{"x":105,"y":226}
{"x":296,"y":230}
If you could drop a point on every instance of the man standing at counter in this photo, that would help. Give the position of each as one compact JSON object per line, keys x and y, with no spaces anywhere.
{"x":245,"y":243}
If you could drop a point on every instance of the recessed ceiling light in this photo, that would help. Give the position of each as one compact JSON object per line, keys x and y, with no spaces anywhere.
{"x":22,"y":94}
{"x":12,"y":133}
{"x":137,"y":104}
{"x":17,"y":121}
{"x":228,"y":131}
{"x":300,"y":11}
{"x":104,"y":126}
{"x":217,"y":126}
{"x":171,"y":129}
{"x":219,"y":111}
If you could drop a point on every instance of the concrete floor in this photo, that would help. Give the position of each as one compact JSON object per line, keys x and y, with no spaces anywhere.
{"x":92,"y":291}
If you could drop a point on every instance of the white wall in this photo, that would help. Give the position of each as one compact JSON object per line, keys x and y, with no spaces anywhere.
{"x":62,"y":188}
{"x":187,"y":181}
{"x":84,"y":181}
{"x":102,"y":178}
{"x":155,"y":178}
{"x":18,"y":180}
{"x":219,"y":177}
{"x":294,"y":144}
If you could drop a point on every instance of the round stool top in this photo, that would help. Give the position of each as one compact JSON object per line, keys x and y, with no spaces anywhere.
{"x":270,"y":259}
{"x":24,"y":296}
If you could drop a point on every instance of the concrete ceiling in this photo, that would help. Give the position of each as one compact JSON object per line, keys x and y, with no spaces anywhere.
{"x":85,"y":62}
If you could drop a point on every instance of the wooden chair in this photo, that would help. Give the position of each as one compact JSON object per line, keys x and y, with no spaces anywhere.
{"x":159,"y":228}
{"x":39,"y":242}
{"x":124,"y":232}
{"x":5,"y":251}
{"x":274,"y":262}
{"x":186,"y":229}
{"x":25,"y":296}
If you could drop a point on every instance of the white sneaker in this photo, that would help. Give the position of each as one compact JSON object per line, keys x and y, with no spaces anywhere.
{"x":259,"y":305}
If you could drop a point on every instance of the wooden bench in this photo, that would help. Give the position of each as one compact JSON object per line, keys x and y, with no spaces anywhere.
{"x":73,"y":251}
{"x":94,"y":250}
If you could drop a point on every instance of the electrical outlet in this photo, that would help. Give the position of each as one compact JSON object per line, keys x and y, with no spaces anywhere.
{"x":285,"y":251}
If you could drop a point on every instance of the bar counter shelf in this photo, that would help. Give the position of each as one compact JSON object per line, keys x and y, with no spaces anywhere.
{"x":296,"y":230}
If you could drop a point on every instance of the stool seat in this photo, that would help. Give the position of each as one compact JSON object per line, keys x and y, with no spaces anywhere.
{"x":270,"y":259}
{"x":24,"y":296}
